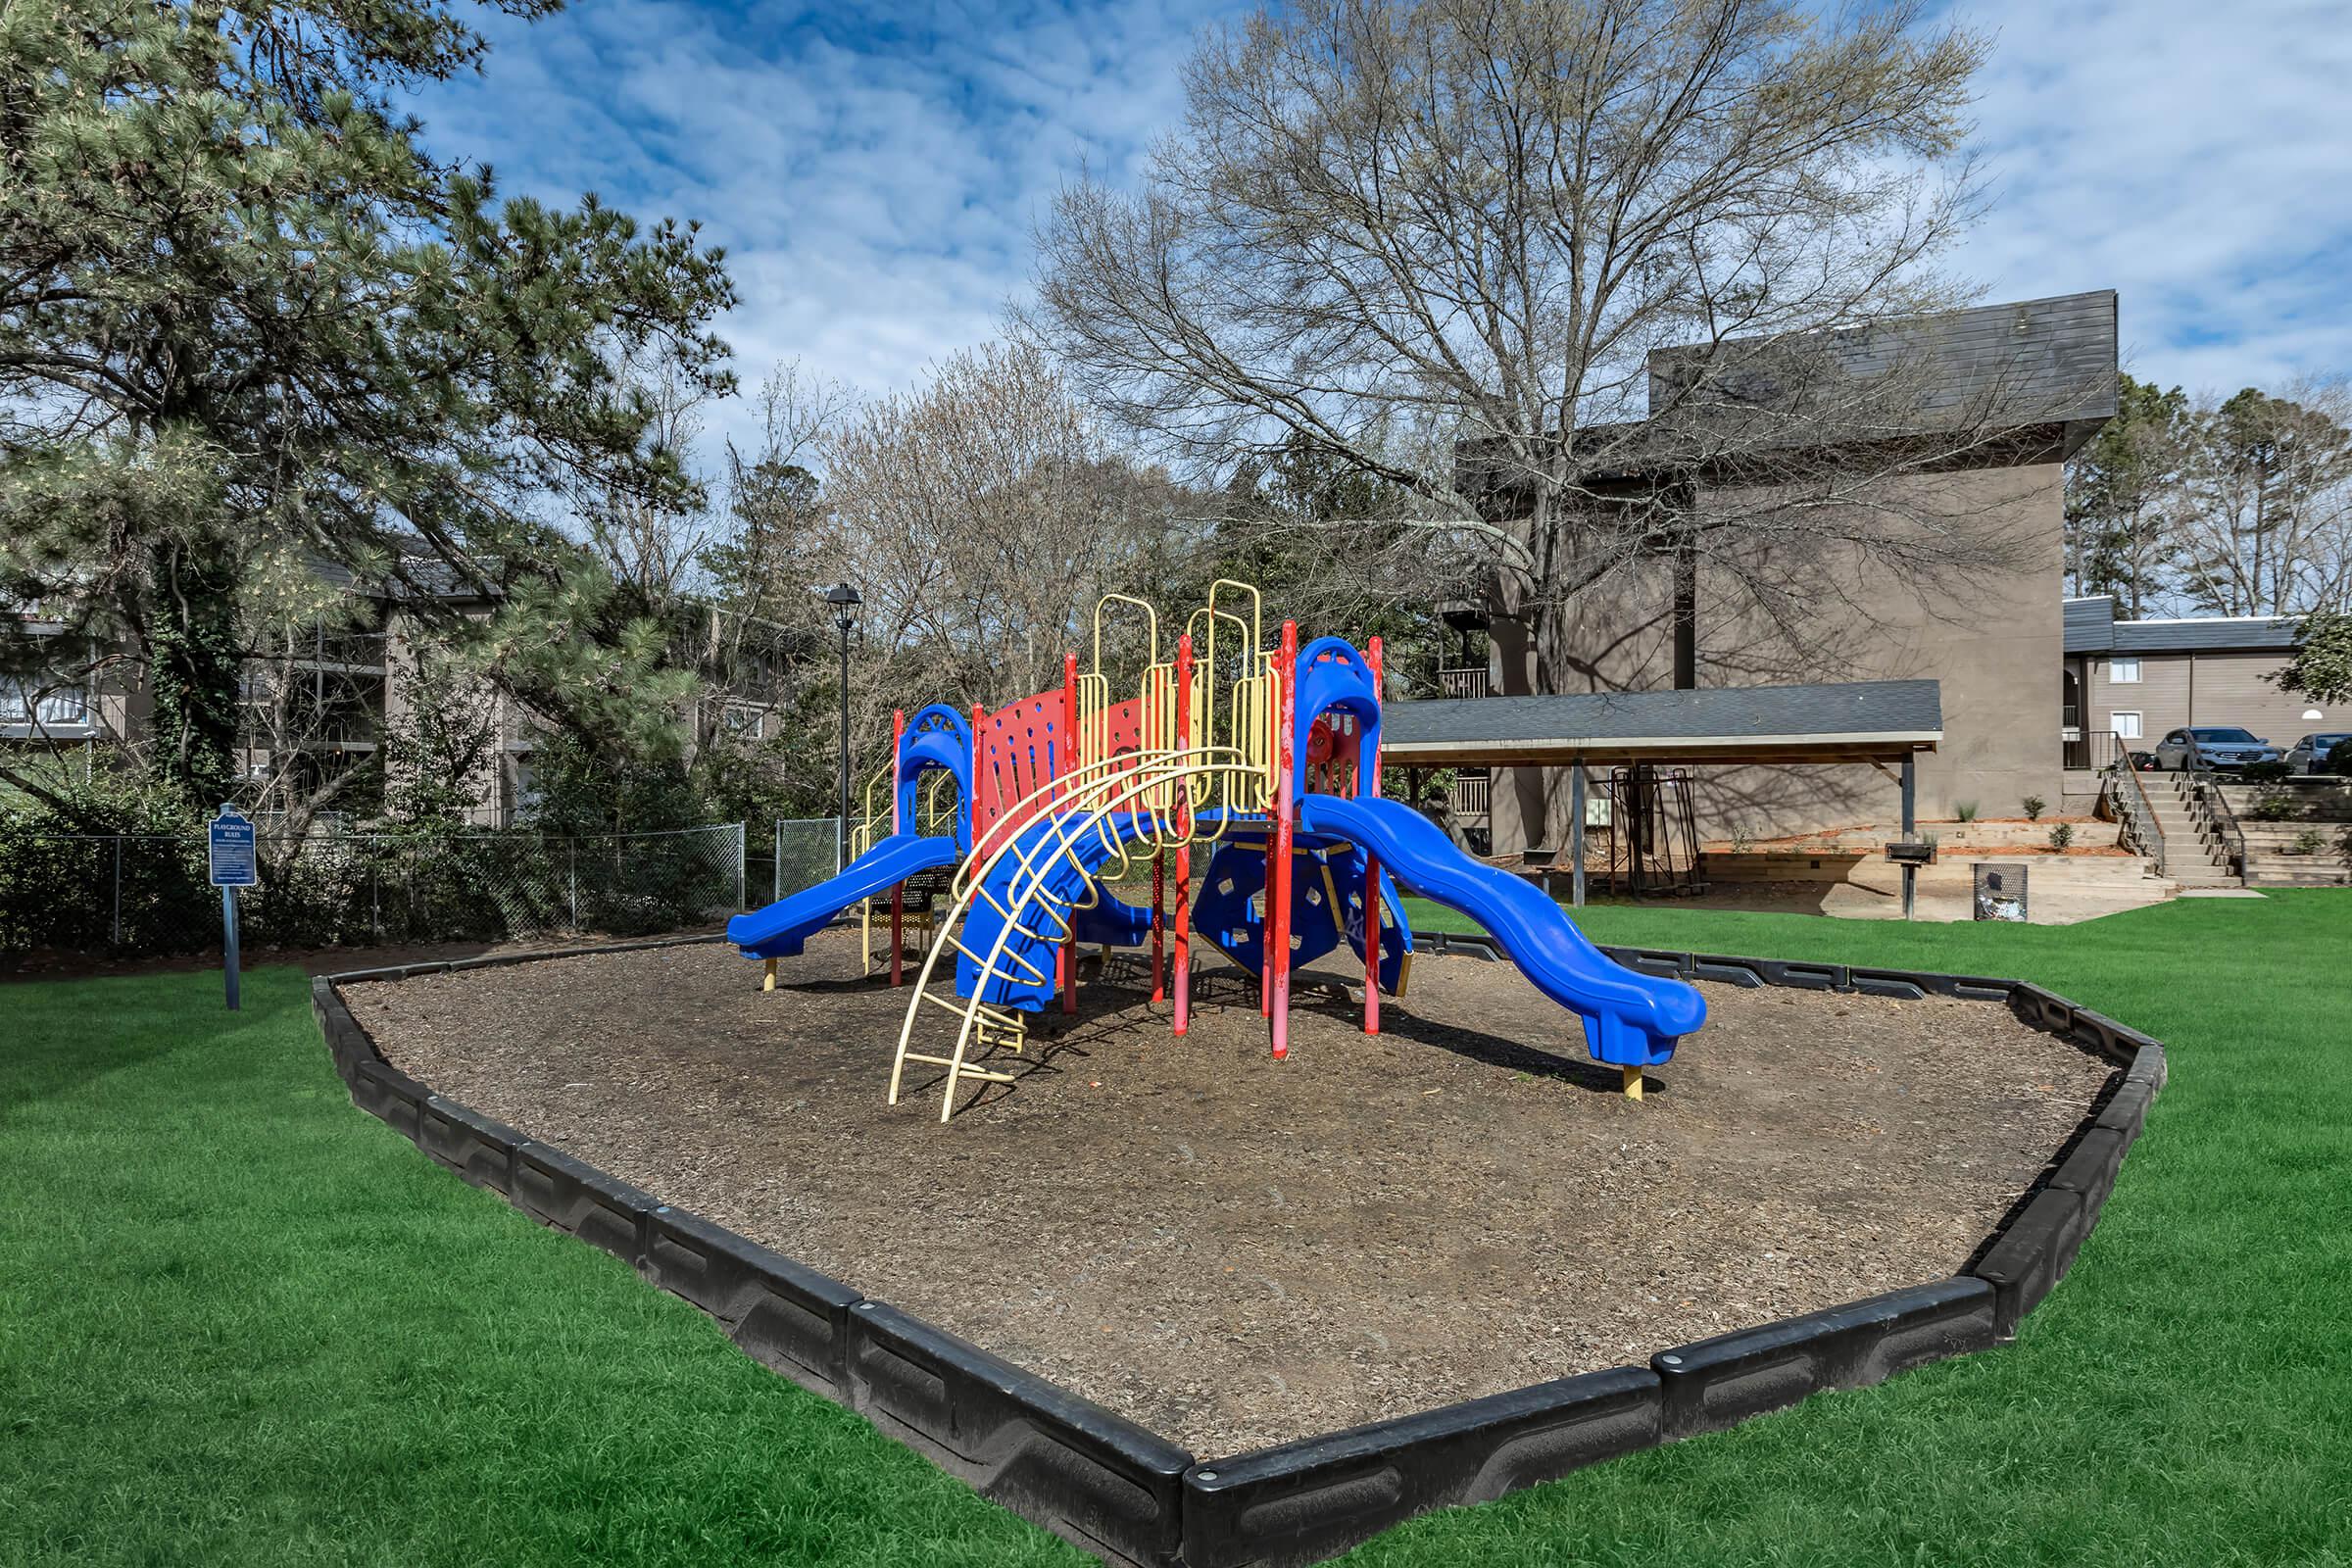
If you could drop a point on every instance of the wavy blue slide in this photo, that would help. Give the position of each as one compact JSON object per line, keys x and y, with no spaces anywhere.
{"x":1630,"y":1020}
{"x":777,"y":931}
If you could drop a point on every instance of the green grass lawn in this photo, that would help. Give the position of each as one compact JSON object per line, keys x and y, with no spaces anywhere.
{"x":242,"y":1323}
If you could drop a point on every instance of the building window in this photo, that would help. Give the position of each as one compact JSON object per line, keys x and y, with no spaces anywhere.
{"x":740,"y":718}
{"x":2127,"y":726}
{"x":2123,"y":672}
{"x":26,"y":701}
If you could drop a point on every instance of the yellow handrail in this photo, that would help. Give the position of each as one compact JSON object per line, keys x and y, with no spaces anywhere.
{"x":1152,"y":620}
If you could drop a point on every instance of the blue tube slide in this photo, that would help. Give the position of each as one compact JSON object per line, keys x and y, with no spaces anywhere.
{"x":777,"y":931}
{"x":1630,"y":1020}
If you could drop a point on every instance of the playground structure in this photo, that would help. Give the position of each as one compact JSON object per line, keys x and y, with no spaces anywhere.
{"x":1264,"y":758}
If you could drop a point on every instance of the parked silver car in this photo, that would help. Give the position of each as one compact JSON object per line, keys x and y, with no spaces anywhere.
{"x":2218,"y":747}
{"x":2309,"y":753}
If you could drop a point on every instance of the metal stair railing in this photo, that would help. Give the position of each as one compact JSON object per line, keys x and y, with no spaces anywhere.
{"x":2140,"y":821}
{"x":2216,"y":822}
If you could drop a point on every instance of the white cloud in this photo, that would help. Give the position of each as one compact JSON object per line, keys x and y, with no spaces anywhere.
{"x":2198,"y":158}
{"x":873,"y":177}
{"x":874,"y":173}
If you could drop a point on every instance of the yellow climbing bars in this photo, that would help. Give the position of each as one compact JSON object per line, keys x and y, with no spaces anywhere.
{"x":1112,"y":806}
{"x":1144,"y":778}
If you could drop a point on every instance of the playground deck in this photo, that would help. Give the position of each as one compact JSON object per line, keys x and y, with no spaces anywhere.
{"x":1236,"y":1252}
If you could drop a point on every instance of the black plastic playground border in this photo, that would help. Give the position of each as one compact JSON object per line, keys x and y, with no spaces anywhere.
{"x":1131,"y":1497}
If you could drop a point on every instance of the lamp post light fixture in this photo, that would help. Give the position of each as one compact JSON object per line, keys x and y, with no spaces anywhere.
{"x":845,"y":602}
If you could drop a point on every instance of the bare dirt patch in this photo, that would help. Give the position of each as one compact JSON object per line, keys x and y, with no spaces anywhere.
{"x":1236,"y":1252}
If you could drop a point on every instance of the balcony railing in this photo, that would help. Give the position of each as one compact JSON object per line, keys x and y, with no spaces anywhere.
{"x":1473,"y":793}
{"x":1467,"y":682}
{"x":341,"y":732}
{"x":2095,"y":753}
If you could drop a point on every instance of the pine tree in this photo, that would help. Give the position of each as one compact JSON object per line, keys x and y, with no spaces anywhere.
{"x":249,"y":325}
{"x":2121,"y":490}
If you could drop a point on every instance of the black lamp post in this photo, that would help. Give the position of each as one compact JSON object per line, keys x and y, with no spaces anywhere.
{"x":845,"y":602}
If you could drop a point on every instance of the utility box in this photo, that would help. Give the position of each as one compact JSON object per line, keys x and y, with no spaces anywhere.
{"x":1909,"y":852}
{"x":2000,"y":891}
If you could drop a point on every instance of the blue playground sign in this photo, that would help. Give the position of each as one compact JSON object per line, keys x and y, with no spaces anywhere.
{"x":233,"y":855}
{"x":234,"y":866}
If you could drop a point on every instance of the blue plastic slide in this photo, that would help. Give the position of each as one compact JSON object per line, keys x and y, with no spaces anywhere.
{"x":1630,"y":1020}
{"x":1024,"y":976}
{"x":777,"y":931}
{"x":1113,"y":920}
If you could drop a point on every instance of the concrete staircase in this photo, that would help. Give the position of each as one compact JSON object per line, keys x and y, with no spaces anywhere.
{"x":2196,"y":856}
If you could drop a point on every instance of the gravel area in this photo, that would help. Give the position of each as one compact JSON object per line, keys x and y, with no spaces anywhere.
{"x":1236,"y":1252}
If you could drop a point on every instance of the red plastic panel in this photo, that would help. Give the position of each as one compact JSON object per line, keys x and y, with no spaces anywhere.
{"x":1021,"y":750}
{"x":1329,"y":766}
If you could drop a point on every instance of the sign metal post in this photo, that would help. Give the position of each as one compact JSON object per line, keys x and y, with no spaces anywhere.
{"x":231,"y":856}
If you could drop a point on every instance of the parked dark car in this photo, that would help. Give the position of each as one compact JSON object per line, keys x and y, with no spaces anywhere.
{"x":2309,"y":753}
{"x":2220,"y":748}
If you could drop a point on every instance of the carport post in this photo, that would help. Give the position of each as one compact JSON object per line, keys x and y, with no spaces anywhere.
{"x":1910,"y":824}
{"x":1576,"y":829}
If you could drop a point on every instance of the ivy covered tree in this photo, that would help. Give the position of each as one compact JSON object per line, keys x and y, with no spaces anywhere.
{"x":250,"y":327}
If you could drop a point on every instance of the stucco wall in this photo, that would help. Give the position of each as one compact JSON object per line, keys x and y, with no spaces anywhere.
{"x":1991,"y":635}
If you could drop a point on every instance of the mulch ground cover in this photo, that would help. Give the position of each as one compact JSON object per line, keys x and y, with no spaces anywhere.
{"x":1236,"y":1252}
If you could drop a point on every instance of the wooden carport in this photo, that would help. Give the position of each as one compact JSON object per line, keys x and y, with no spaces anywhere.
{"x":1883,"y":724}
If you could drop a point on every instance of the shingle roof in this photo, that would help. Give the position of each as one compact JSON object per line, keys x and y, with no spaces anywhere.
{"x":2091,"y":628}
{"x":2090,"y":624}
{"x":1891,"y":715}
{"x":2207,"y":634}
{"x":425,"y":575}
{"x":2045,"y":362}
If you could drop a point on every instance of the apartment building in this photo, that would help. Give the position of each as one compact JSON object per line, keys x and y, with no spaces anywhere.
{"x":318,"y":698}
{"x":2135,"y":679}
{"x":1989,"y":641}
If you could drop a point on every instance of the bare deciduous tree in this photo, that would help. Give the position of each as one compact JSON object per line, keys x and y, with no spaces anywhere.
{"x":982,"y":517}
{"x":2267,"y":524}
{"x":1400,"y":232}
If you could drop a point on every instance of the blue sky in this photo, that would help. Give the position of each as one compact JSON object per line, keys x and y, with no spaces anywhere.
{"x":874,"y":170}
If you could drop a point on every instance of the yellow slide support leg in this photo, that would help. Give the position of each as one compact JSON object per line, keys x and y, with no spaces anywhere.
{"x":767,"y":981}
{"x":1632,"y":1082}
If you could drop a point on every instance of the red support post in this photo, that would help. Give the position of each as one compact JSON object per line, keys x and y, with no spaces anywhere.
{"x":1286,"y":814}
{"x":1183,"y":821}
{"x":1367,"y":782}
{"x":1066,"y":754}
{"x":898,"y":890}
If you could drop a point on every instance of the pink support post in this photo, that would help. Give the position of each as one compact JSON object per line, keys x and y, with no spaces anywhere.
{"x":898,"y":890}
{"x":1286,"y":814}
{"x":1065,"y":763}
{"x":1367,"y":782}
{"x":1184,"y":824}
{"x":971,"y":807}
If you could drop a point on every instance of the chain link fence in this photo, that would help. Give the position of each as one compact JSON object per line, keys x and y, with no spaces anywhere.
{"x":808,"y":850}
{"x":136,"y":895}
